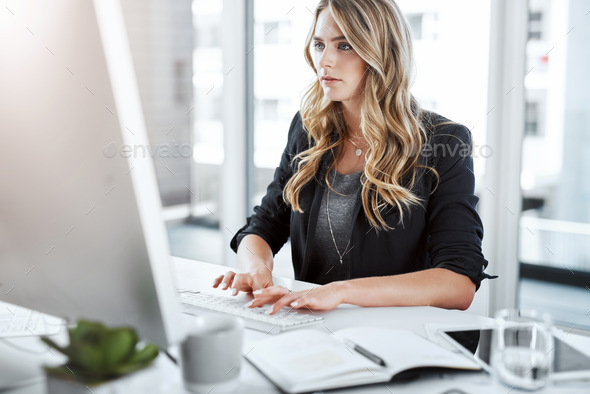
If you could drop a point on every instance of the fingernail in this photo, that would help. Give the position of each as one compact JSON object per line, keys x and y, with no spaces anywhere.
{"x":257,"y":292}
{"x":249,"y":303}
{"x":224,"y":286}
{"x":214,"y":282}
{"x":268,"y":311}
{"x":294,"y":304}
{"x":234,"y":291}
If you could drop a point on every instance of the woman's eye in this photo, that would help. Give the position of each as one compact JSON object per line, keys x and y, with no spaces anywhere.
{"x":318,"y":46}
{"x":345,"y":47}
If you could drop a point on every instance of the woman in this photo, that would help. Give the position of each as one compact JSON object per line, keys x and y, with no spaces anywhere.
{"x":375,"y":193}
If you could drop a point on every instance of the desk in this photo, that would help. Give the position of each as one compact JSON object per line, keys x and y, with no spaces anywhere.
{"x":198,"y":275}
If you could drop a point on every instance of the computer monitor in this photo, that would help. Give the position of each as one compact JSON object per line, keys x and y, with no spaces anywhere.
{"x":81,"y":232}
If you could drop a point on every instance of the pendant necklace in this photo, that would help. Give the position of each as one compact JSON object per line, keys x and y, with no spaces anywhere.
{"x":340,"y":256}
{"x":358,"y":150}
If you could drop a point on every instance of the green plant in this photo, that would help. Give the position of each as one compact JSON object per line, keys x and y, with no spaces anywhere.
{"x":98,"y":353}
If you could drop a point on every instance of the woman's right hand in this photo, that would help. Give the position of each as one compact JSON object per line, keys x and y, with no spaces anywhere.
{"x":256,"y":261}
{"x":248,"y":282}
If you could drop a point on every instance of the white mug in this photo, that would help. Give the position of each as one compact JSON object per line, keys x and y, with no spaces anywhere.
{"x":211,"y":354}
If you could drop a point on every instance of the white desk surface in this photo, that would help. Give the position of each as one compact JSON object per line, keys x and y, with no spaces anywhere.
{"x":195,"y":275}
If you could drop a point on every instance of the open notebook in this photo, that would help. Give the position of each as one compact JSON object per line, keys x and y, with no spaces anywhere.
{"x":308,"y":360}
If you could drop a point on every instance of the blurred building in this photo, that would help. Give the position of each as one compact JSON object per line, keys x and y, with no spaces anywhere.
{"x":555,"y":229}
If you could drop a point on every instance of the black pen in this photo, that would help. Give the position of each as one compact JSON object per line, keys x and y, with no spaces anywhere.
{"x":371,"y":356}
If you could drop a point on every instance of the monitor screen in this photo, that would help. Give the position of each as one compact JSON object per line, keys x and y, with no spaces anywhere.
{"x":81,"y":234}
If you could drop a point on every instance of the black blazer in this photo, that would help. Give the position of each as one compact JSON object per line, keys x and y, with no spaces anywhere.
{"x":445,"y":231}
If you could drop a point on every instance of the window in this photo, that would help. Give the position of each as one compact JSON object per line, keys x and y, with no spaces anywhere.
{"x":452,"y":66}
{"x":555,"y":222}
{"x":531,"y":116}
{"x":415,"y":22}
{"x":271,"y":33}
{"x":535,"y":115}
{"x":208,"y":152}
{"x":270,"y":109}
{"x":207,"y":33}
{"x":280,"y":77}
{"x":535,"y":25}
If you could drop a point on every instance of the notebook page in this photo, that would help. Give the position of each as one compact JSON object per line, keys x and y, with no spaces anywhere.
{"x":308,"y":356}
{"x":401,"y":349}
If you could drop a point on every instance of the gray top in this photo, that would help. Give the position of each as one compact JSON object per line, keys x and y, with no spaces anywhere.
{"x":325,"y":261}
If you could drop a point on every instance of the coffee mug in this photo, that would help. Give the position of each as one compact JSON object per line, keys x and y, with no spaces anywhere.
{"x":211,"y":354}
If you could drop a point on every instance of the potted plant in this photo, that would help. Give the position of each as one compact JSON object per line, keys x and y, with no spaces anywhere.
{"x":97,"y":356}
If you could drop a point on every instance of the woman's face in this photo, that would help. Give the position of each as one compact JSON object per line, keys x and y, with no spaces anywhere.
{"x":340,"y":69}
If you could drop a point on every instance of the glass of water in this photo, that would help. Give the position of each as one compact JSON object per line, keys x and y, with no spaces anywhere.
{"x":522,"y":349}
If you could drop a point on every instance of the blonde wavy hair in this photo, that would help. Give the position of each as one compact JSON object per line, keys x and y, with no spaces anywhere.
{"x":390,"y":116}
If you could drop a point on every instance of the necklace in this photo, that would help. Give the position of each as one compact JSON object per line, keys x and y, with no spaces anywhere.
{"x":359,"y":150}
{"x":341,"y":256}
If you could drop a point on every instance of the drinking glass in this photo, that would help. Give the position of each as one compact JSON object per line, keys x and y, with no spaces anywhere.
{"x":522,"y":349}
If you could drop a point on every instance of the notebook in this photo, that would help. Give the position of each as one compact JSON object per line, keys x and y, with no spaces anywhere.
{"x":309,"y":360}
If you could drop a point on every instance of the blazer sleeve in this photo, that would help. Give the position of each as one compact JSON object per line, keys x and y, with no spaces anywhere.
{"x":455,"y":231}
{"x":271,"y":219}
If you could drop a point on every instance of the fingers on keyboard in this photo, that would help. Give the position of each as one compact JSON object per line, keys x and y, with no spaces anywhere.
{"x":227,"y":280}
{"x":217,"y":280}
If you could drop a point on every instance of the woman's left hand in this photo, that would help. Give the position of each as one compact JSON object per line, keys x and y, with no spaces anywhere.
{"x":320,"y":298}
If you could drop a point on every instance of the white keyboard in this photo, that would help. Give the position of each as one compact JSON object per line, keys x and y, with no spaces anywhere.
{"x":254,"y":318}
{"x":16,"y":321}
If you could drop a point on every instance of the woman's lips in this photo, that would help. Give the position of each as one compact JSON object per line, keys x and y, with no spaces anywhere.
{"x":330,"y":81}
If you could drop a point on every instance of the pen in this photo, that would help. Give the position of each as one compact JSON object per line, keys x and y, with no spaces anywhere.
{"x":371,"y":356}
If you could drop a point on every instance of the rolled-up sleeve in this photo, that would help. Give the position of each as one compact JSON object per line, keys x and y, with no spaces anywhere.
{"x":455,"y":230}
{"x":271,"y":219}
